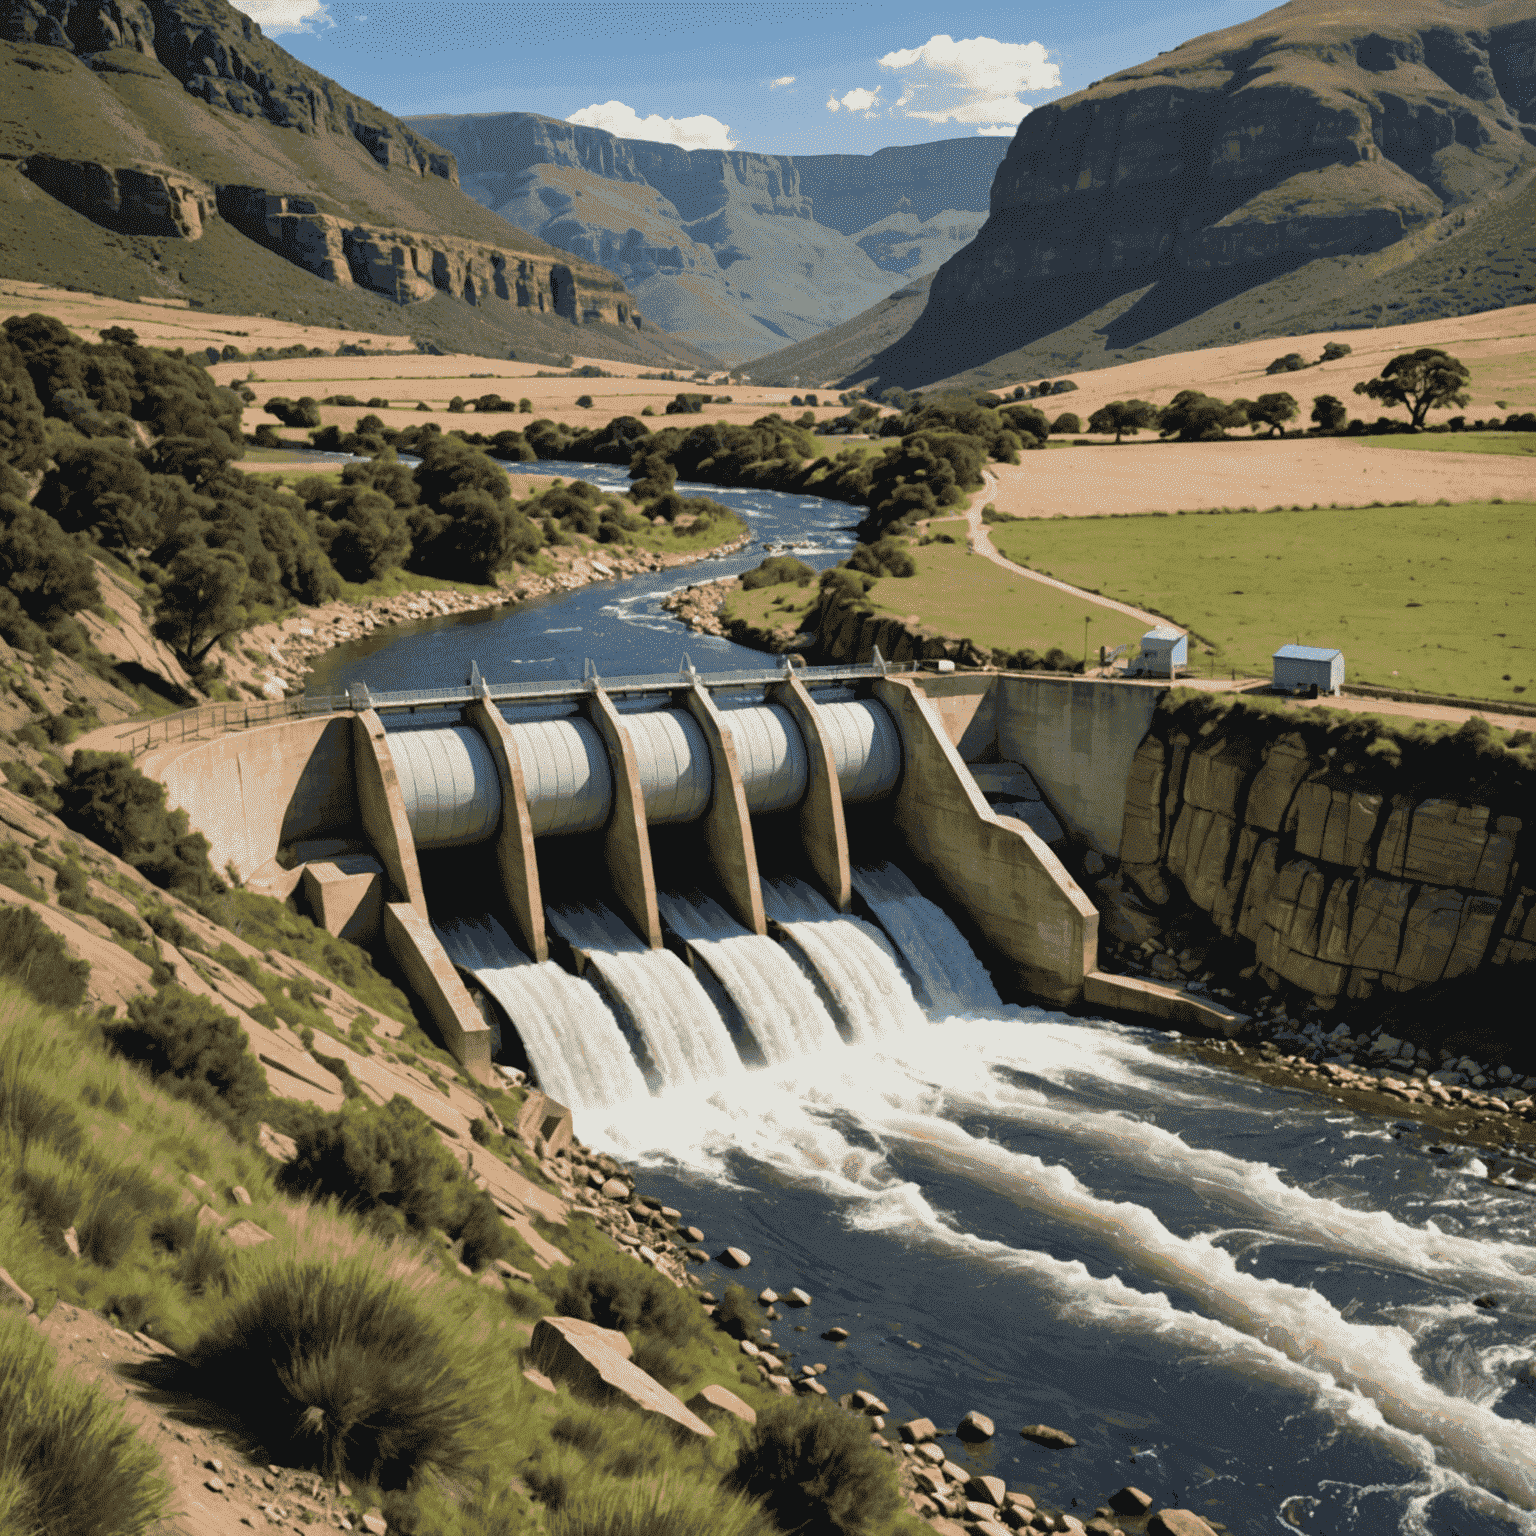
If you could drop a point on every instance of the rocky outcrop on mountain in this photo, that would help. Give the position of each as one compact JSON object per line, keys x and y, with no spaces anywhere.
{"x":407,"y":267}
{"x":220,"y":55}
{"x":132,"y":200}
{"x":1165,"y":191}
{"x":739,"y":252}
{"x":1342,"y":887}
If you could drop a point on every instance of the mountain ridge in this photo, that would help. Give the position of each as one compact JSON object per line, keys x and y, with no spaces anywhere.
{"x":735,"y":250}
{"x":1308,"y":169}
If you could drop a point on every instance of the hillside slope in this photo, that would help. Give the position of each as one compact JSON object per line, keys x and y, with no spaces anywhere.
{"x":167,"y":148}
{"x":734,"y":251}
{"x":1310,"y":169}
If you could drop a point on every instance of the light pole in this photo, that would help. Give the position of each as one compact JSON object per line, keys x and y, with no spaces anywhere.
{"x":1087,"y":619}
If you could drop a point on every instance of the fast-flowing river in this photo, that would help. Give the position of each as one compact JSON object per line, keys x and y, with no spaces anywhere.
{"x":1243,"y":1299}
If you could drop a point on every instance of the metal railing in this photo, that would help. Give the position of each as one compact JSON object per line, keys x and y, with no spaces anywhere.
{"x":210,"y":720}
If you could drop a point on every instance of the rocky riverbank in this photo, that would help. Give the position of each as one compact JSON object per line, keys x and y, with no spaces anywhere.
{"x":274,"y":659}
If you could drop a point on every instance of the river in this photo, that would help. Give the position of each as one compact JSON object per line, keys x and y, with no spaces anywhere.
{"x":1245,"y":1300}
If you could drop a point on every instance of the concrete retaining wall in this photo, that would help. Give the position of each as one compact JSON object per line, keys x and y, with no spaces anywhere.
{"x":252,"y":791}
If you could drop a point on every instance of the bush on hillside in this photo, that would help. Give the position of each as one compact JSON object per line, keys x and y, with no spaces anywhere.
{"x":70,"y":1464}
{"x":107,"y":799}
{"x":1068,"y":424}
{"x":23,"y":441}
{"x":47,"y":574}
{"x":195,"y":1050}
{"x":613,"y":1291}
{"x":303,"y":412}
{"x":814,"y":1470}
{"x":738,"y":1313}
{"x":386,"y":1163}
{"x":339,"y":1369}
{"x":32,"y":953}
{"x":885,"y":557}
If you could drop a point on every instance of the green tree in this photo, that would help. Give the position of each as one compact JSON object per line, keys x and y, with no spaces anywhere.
{"x":1195,"y":417}
{"x":1272,"y":411}
{"x":48,"y":573}
{"x":1068,"y":424}
{"x":100,"y":488}
{"x":1123,"y":417}
{"x":200,"y":602}
{"x":1420,"y":381}
{"x":22,"y":443}
{"x":364,"y":533}
{"x":1329,"y":412}
{"x":1334,"y":350}
{"x":1292,"y":362}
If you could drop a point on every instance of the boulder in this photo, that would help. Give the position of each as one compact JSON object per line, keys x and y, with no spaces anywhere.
{"x":1178,"y":1522}
{"x":579,"y":1357}
{"x":809,"y":1385}
{"x":615,"y":1189}
{"x":987,"y":1490}
{"x":976,"y":1426}
{"x":246,"y":1234}
{"x":539,"y":1380}
{"x":797,"y":1298}
{"x":715,"y":1399}
{"x":867,"y":1402}
{"x":733,"y":1258}
{"x":836,"y":1335}
{"x":1052,"y":1439}
{"x":918,"y":1431}
{"x":72,"y":1242}
{"x":767,"y":1296}
{"x":540,"y":1115}
{"x":1123,"y":916}
{"x":1129,"y":1501}
{"x":279,"y":1148}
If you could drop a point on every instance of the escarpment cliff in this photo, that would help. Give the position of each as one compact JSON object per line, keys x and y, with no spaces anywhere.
{"x":165,"y":148}
{"x":1353,"y":866}
{"x":1242,"y":182}
{"x":737,"y":251}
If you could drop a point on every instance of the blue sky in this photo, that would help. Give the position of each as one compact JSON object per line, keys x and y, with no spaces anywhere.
{"x":797,"y":77}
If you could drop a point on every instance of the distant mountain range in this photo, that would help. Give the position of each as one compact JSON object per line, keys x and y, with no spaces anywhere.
{"x":735,"y":252}
{"x":1312,"y":169}
{"x":167,"y":148}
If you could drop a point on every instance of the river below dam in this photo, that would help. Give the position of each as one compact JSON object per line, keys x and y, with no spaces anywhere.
{"x":1244,"y":1299}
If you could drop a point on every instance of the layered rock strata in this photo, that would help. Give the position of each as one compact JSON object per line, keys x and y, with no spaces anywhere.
{"x":1343,"y":891}
{"x":134,"y":200}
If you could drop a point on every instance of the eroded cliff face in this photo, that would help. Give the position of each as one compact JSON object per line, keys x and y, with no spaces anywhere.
{"x":1234,"y":159}
{"x":408,"y":266}
{"x":134,"y":200}
{"x":1343,"y":887}
{"x":221,"y":56}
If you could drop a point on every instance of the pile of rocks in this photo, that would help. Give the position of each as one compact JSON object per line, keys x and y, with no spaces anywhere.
{"x":698,"y":605}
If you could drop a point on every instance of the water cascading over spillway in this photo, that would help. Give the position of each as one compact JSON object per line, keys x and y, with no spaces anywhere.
{"x":574,"y":1044}
{"x":777,"y":1000}
{"x":853,"y":960}
{"x":685,"y":1037}
{"x":954,"y":980}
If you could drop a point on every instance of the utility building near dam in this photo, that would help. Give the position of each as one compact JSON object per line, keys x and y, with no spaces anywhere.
{"x":627,"y":882}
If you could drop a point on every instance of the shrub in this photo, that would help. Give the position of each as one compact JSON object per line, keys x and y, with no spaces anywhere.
{"x":387,"y":1163}
{"x":1292,"y":362}
{"x":109,"y":801}
{"x":35,"y":955}
{"x":1068,"y":424}
{"x":1334,"y":350}
{"x":339,"y":1369}
{"x":196,"y":1051}
{"x":885,"y":557}
{"x":613,"y":1291}
{"x":675,"y":1506}
{"x":813,"y":1469}
{"x":69,"y":1463}
{"x":777,"y":570}
{"x":737,"y":1313}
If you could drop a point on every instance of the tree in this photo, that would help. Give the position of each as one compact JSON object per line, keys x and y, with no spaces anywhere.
{"x":1421,"y":381}
{"x":121,"y":336}
{"x":1272,"y":411}
{"x":1292,"y":362}
{"x":1068,"y":424}
{"x":200,"y":602}
{"x":1195,"y":417}
{"x":1123,"y":416}
{"x":1334,"y":350}
{"x":364,"y":533}
{"x":1329,"y":412}
{"x":101,"y":489}
{"x":45,"y":570}
{"x":449,"y":464}
{"x":22,"y":443}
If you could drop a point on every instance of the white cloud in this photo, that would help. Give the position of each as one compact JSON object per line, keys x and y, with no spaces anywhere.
{"x":856,"y":100}
{"x":701,"y":132}
{"x":773,"y":85}
{"x":286,"y":15}
{"x":976,"y":80}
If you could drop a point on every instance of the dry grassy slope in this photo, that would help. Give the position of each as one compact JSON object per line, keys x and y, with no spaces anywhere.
{"x":125,"y":108}
{"x":1314,"y":168}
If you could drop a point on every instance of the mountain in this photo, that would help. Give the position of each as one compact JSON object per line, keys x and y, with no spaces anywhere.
{"x":167,"y":148}
{"x":735,"y":252}
{"x":1315,"y":168}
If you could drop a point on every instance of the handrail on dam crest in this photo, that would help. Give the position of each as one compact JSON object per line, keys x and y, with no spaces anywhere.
{"x":207,"y":720}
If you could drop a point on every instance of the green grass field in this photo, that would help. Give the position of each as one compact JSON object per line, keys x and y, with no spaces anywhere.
{"x":1431,"y":598}
{"x":1513,"y":444}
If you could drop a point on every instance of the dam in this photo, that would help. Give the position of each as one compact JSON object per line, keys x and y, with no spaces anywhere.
{"x":656,"y":846}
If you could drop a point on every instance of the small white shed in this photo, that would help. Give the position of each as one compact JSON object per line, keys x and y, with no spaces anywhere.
{"x":1163,"y":651}
{"x":1306,"y":666}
